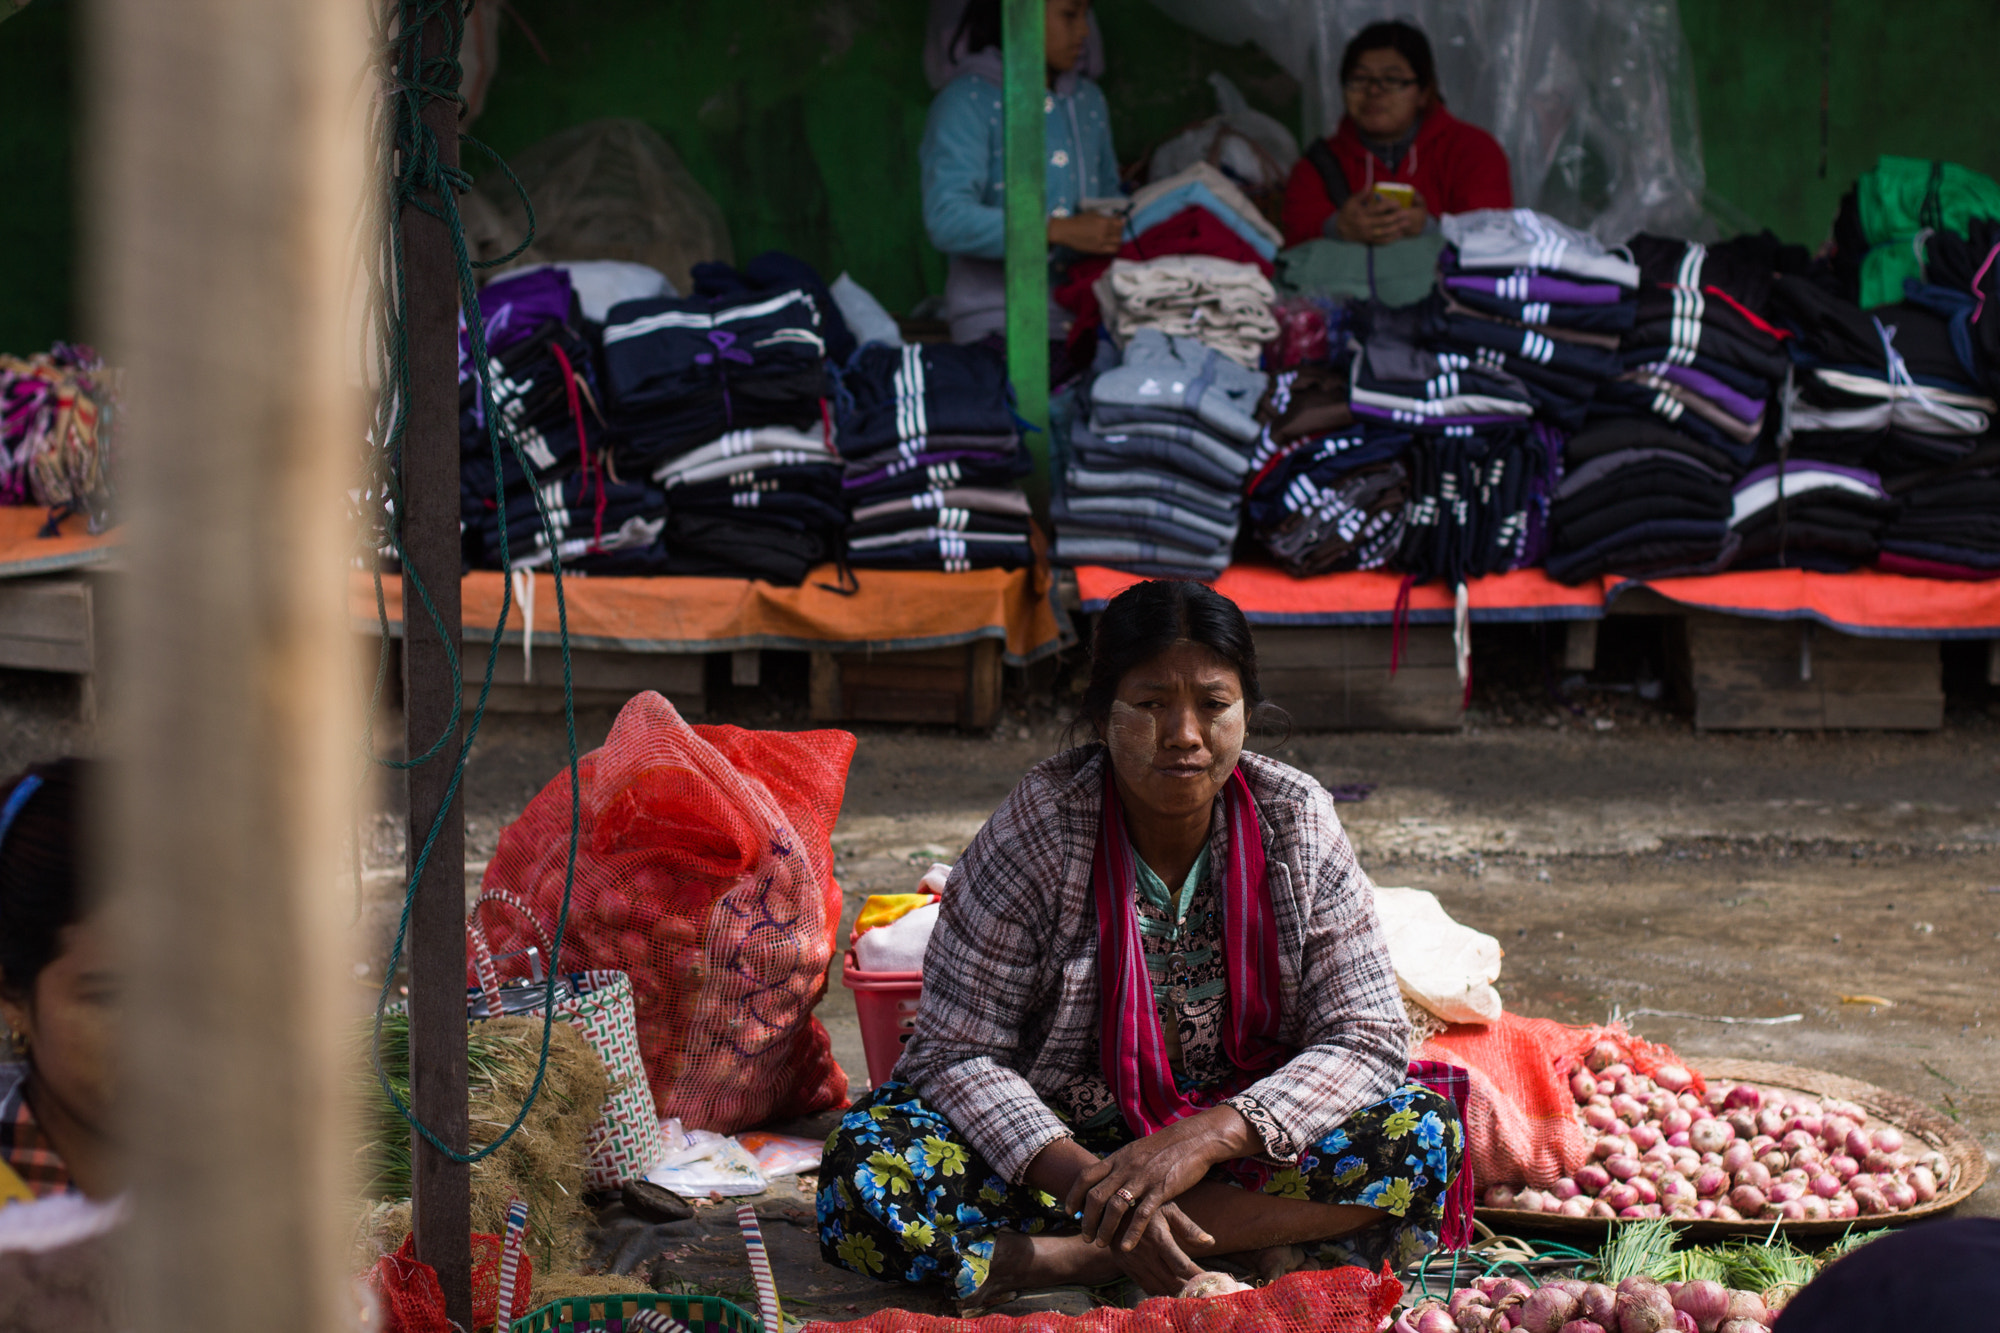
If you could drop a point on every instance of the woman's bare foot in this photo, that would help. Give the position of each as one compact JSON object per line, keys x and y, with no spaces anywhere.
{"x":1274,"y":1262}
{"x":1021,"y":1263}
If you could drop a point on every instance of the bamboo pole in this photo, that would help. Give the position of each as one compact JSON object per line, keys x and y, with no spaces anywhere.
{"x":1024,"y":79}
{"x":224,"y":165}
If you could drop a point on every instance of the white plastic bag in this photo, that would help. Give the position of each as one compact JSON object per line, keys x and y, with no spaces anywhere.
{"x":701,"y":1162}
{"x":1447,"y":968}
{"x":1243,"y":141}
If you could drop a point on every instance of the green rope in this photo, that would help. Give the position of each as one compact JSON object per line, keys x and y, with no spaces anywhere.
{"x":411,"y":175}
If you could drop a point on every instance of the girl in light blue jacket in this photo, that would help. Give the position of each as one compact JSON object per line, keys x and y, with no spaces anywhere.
{"x":964,"y":165}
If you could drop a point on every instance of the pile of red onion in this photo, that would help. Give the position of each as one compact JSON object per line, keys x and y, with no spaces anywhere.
{"x":1636,"y":1305}
{"x":1740,"y":1154}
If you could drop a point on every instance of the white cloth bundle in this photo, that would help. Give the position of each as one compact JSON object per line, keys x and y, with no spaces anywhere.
{"x":1218,"y":302}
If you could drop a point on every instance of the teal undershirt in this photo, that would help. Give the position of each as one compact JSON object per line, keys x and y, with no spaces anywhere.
{"x":1154,"y":889}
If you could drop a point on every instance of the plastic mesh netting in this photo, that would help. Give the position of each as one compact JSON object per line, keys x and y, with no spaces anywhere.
{"x":1520,"y":1120}
{"x":413,"y":1302}
{"x":704,"y":871}
{"x":1338,"y":1300}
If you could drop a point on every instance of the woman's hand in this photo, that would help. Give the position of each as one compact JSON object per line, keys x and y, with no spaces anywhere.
{"x":1089,"y":233}
{"x":1157,"y":1258}
{"x":1121,"y":1196}
{"x":1369,"y":219}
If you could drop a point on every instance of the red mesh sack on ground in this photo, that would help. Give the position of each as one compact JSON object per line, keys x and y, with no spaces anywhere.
{"x":413,"y":1302}
{"x":1520,"y":1119}
{"x":704,"y":871}
{"x":1335,"y":1300}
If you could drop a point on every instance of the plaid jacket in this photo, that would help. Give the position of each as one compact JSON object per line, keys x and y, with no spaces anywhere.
{"x":23,"y":1145}
{"x":1010,"y":978}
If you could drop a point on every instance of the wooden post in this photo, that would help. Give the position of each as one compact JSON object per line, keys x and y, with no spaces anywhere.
{"x":224,"y":165}
{"x":441,"y":1189}
{"x":1024,"y":93}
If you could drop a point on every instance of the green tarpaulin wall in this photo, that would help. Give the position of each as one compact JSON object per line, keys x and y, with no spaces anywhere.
{"x":803,"y":119}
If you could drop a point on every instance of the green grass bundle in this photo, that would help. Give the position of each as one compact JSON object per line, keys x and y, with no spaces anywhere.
{"x":542,"y":1163}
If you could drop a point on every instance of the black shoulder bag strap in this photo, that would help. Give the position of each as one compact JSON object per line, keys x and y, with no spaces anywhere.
{"x":1330,"y":174}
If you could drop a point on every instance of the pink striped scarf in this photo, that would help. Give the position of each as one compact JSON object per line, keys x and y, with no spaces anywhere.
{"x":1134,"y":1046}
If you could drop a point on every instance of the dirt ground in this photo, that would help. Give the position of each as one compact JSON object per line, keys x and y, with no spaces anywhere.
{"x":1628,"y":865}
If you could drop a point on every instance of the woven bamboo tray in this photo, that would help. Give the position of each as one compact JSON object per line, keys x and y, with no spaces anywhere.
{"x":1916,"y":1120}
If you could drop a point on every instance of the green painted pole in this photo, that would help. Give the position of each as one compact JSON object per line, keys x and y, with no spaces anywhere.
{"x":1025,"y":94}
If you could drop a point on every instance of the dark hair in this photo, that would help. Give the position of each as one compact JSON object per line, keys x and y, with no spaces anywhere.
{"x":1406,"y":40}
{"x":40,"y":873}
{"x":979,"y":28}
{"x":1147,"y":619}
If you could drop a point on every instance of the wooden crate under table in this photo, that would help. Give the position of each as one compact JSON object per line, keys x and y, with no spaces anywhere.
{"x":1746,"y":674}
{"x":959,"y":685}
{"x":1337,"y":678}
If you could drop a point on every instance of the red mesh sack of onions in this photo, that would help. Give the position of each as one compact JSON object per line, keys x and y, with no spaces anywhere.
{"x":1337,"y":1300}
{"x":1665,"y":1147}
{"x":1636,"y":1305}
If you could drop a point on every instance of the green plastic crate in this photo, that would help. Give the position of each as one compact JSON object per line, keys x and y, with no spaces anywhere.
{"x":606,"y":1314}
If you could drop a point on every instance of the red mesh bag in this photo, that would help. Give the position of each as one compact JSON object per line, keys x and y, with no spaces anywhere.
{"x":1520,"y":1120}
{"x":413,"y":1302}
{"x":704,"y":871}
{"x":1336,"y":1300}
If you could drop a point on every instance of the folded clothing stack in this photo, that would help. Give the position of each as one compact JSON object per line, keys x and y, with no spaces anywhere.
{"x":1332,"y":502}
{"x":1524,"y":295}
{"x":1705,"y":355}
{"x":721,"y":400}
{"x":1947,"y":525}
{"x":1888,"y":390}
{"x":1219,"y":302}
{"x":1153,"y":480}
{"x":543,"y":380}
{"x":932,"y":460}
{"x":1403,"y":376}
{"x":683,"y":372}
{"x":1194,"y":230}
{"x":1478,"y":502}
{"x":1639,"y":497}
{"x":1321,"y":496}
{"x":1803,"y":514}
{"x":1477,"y":473}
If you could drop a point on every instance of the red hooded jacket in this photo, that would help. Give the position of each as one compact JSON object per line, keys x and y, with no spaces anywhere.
{"x":1455,"y":166}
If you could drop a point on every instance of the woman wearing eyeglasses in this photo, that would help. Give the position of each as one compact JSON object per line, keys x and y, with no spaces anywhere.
{"x":1399,"y":158}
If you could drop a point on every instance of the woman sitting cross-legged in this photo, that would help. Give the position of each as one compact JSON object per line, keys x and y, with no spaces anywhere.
{"x":1159,"y":1021}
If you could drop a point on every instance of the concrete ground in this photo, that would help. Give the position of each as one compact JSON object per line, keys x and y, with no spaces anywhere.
{"x":1627,"y":864}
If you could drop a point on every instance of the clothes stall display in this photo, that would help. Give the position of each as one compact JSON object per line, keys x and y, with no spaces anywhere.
{"x":542,"y":378}
{"x":721,"y":400}
{"x":1895,"y":206}
{"x":1804,"y":514}
{"x":1521,"y":294}
{"x":1152,"y":481}
{"x":1320,"y":497}
{"x":57,"y":413}
{"x":1947,"y":523}
{"x":1639,"y":497}
{"x":932,"y":460}
{"x":1192,"y":231}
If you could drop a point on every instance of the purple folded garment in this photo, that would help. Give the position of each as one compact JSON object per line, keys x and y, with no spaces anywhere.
{"x":859,"y":480}
{"x":1537,"y":287}
{"x":515,"y":307}
{"x":1739,"y":405}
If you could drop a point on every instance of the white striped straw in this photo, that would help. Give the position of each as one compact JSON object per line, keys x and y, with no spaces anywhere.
{"x":760,"y":1268}
{"x":510,"y":1260}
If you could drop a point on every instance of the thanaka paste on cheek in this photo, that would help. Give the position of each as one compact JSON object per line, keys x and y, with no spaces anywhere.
{"x":1225,"y":738}
{"x":1132,"y":737}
